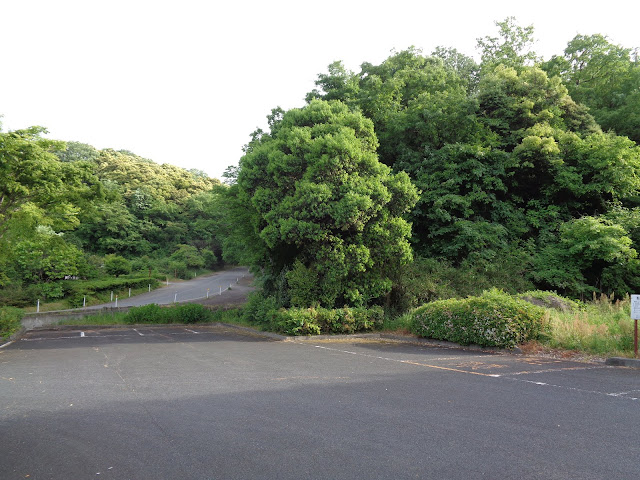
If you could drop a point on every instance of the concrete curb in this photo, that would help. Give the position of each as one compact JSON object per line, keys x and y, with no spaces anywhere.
{"x":623,"y":362}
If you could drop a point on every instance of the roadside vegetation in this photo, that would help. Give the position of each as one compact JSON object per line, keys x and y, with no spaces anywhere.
{"x":493,"y":202}
{"x":545,"y":322}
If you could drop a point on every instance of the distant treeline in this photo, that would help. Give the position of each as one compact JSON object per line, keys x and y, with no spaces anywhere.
{"x":69,"y":210}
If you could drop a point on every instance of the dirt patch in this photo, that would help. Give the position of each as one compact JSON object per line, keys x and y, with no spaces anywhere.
{"x":234,"y":297}
{"x":534,"y":348}
{"x":549,"y":302}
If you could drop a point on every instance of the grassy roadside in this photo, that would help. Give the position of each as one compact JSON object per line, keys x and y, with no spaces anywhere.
{"x":601,"y":327}
{"x":206,"y":315}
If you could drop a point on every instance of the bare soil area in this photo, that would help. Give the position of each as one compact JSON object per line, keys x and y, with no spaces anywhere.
{"x":234,"y":297}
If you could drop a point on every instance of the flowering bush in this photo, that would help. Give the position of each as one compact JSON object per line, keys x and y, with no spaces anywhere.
{"x":494,"y":319}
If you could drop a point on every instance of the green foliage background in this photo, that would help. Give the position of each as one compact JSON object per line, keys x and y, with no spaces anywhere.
{"x":426,"y":177}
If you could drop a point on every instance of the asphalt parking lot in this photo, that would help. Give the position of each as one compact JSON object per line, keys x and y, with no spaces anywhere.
{"x":217,"y":402}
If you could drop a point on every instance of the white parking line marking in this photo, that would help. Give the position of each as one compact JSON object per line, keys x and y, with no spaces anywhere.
{"x":186,"y":331}
{"x":504,"y":376}
{"x":561,"y":369}
{"x":624,"y":394}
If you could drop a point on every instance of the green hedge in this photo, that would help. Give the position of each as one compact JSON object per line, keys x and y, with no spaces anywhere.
{"x":263,"y":310}
{"x":313,"y":321}
{"x":9,"y":321}
{"x":493,"y":319}
{"x":76,"y":290}
{"x":187,"y":313}
{"x":108,"y":284}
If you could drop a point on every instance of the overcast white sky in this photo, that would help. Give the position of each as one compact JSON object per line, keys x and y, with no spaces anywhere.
{"x":186,"y":82}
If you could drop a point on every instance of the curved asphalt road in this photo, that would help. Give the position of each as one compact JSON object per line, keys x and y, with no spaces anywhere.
{"x":183,"y":291}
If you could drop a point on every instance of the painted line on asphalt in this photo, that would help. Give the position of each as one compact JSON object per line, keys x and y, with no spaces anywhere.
{"x":75,"y":337}
{"x":624,"y":394}
{"x":549,"y":370}
{"x":497,"y":376}
{"x":84,"y":335}
{"x":573,"y":389}
{"x":408,"y":362}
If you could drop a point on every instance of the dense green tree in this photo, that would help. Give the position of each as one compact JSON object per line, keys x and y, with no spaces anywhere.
{"x":501,"y":166}
{"x":30,"y":177}
{"x":134,"y":174}
{"x":45,"y":256}
{"x":465,"y":66}
{"x":116,"y":265}
{"x":589,"y":254}
{"x":76,"y":151}
{"x":205,"y":213}
{"x":606,"y":78}
{"x":40,"y":197}
{"x":189,"y":255}
{"x":323,"y":205}
{"x":513,"y":47}
{"x":337,"y":84}
{"x":412,"y":100}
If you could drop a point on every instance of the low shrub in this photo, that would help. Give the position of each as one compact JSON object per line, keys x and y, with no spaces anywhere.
{"x":313,"y":321}
{"x":105,"y":285}
{"x":231,"y":315}
{"x":368,"y":318}
{"x":493,"y":319}
{"x":295,"y":321}
{"x":267,"y":312}
{"x":188,"y":313}
{"x":19,"y":296}
{"x":9,"y":321}
{"x":152,"y":313}
{"x":259,"y":309}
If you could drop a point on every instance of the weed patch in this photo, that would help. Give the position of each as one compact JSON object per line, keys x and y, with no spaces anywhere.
{"x":9,"y":321}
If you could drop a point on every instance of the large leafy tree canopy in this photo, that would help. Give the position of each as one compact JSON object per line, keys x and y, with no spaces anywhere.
{"x":504,"y":155}
{"x":606,"y":78}
{"x":327,"y":214}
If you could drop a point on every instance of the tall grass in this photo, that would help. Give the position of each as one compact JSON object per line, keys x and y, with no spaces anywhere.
{"x":604,"y":327}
